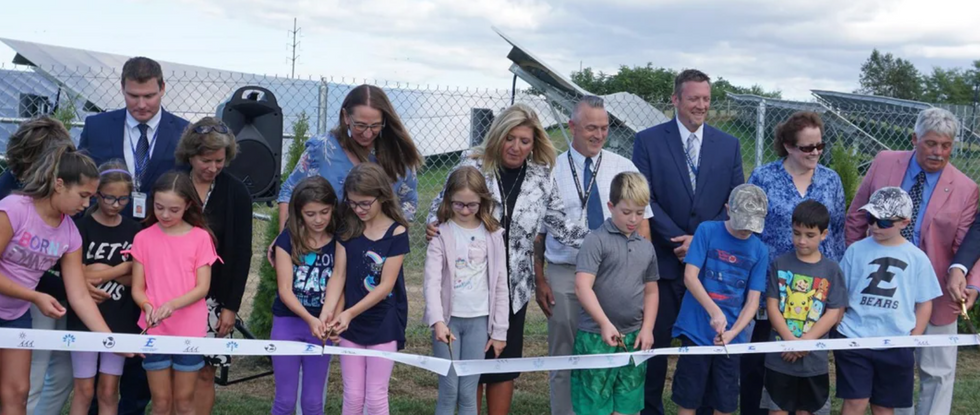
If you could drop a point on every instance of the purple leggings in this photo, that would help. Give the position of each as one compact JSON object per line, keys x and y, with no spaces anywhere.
{"x":286,"y":369}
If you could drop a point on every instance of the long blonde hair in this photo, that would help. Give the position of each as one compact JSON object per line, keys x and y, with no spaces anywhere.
{"x":518,"y":115}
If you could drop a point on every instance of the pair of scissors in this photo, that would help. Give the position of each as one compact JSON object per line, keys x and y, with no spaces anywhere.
{"x":619,"y":339}
{"x":725,"y":345}
{"x":966,"y":317}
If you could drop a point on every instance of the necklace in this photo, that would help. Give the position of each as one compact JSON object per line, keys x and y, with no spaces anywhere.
{"x":506,"y":194}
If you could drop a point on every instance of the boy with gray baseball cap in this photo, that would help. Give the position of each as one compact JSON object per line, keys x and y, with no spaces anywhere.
{"x":725,"y":276}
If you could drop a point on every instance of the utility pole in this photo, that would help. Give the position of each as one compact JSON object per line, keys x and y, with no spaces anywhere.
{"x":294,"y":32}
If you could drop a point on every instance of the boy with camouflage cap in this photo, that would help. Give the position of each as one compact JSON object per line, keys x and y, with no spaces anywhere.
{"x":725,"y":276}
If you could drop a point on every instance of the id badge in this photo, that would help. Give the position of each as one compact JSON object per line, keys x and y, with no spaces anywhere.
{"x":762,"y":314}
{"x":139,"y":205}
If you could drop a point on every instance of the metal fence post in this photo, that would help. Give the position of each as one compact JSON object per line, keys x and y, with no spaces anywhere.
{"x":760,"y":132}
{"x":321,"y":108}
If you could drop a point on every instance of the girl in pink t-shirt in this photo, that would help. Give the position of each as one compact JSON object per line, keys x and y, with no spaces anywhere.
{"x":36,"y":231}
{"x":171,"y":275}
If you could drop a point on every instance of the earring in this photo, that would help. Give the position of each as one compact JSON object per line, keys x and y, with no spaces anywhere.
{"x":349,"y":134}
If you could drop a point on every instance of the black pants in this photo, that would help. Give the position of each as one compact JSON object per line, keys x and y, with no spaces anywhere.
{"x":671,"y":294}
{"x":753,"y":373}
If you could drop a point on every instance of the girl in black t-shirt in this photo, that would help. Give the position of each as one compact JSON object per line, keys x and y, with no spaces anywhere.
{"x":304,"y":263}
{"x":105,"y":234}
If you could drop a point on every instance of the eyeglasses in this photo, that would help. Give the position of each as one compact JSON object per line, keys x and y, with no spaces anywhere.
{"x":810,"y":148}
{"x":471,"y":206}
{"x":365,"y":205}
{"x":204,"y":129}
{"x":882,"y":223}
{"x":111,"y":200}
{"x":359,"y":127}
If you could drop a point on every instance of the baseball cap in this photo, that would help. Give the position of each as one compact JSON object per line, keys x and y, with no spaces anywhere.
{"x":889,"y":203}
{"x":747,"y":208}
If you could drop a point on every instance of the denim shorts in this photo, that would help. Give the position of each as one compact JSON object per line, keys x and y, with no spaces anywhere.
{"x":22,"y":322}
{"x":180,"y":362}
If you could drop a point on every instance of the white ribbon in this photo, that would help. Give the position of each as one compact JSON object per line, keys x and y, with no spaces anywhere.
{"x":132,"y":343}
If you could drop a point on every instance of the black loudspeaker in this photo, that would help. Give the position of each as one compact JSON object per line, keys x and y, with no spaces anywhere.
{"x":256,"y":119}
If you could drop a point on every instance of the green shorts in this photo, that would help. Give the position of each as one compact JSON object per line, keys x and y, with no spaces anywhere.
{"x":604,"y":391}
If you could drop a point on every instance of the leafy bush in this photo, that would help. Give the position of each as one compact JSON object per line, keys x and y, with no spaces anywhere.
{"x":844,"y":161}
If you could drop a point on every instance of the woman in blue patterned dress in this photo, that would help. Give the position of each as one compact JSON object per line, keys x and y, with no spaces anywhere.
{"x":368,"y":130}
{"x":795,"y":177}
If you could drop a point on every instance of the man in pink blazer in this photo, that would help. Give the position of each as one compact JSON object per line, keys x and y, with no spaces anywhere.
{"x":944,"y":205}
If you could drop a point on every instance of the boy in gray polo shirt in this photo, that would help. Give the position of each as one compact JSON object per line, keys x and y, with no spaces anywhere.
{"x":616,"y":283}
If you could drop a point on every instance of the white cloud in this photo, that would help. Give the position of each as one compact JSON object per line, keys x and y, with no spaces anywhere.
{"x":791,"y":46}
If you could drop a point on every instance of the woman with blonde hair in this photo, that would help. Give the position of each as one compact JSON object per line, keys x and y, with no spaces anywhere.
{"x":516,"y":159}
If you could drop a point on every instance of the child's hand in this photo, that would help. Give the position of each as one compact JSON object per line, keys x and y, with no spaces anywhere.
{"x":148,"y":311}
{"x":497,"y":345}
{"x":93,"y":291}
{"x":317,"y":328}
{"x":609,"y":334}
{"x":718,"y":321}
{"x":325,"y":318}
{"x":724,"y":338}
{"x":644,"y":340}
{"x":443,"y":333}
{"x":49,"y":306}
{"x":790,"y":357}
{"x":341,"y":323}
{"x":163,"y":312}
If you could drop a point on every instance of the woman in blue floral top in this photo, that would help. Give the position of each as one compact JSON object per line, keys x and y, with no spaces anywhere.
{"x":368,"y":130}
{"x":796,"y":177}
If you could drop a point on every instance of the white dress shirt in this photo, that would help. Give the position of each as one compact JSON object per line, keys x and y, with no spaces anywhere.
{"x":131,"y":135}
{"x":685,"y":134}
{"x":612,"y":164}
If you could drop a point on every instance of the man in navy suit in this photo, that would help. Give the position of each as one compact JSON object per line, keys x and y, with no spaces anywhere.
{"x":145,"y":136}
{"x":691,"y":167}
{"x":142,"y":134}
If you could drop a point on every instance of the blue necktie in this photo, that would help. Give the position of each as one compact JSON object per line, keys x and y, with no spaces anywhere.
{"x":142,"y":151}
{"x":594,"y":206}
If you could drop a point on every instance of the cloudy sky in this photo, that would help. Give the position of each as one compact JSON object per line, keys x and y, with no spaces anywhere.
{"x":791,"y":46}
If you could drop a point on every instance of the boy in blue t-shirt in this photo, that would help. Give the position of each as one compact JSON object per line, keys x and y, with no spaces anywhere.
{"x":725,"y":277}
{"x":891,"y":285}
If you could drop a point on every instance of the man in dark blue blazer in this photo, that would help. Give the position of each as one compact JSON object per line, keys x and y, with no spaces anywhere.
{"x":691,"y":167}
{"x":145,"y":136}
{"x":142,"y":134}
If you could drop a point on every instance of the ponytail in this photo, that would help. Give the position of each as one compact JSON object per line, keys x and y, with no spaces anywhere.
{"x":58,"y":162}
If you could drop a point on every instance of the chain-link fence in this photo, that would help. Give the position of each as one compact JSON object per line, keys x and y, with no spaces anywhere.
{"x":444,"y":121}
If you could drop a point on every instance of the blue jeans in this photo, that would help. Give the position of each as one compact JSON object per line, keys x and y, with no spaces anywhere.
{"x":471,"y":340}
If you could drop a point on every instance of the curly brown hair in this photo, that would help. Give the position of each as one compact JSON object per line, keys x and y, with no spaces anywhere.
{"x":787,"y":130}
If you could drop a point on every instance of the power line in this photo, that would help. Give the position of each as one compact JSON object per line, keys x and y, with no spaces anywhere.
{"x":294,"y":32}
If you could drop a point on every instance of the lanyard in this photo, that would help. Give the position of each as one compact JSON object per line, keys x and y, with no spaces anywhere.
{"x":140,"y":165}
{"x":583,"y":194}
{"x":208,"y":196}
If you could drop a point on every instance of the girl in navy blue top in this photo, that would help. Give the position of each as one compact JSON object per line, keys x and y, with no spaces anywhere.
{"x":374,"y":241}
{"x":305,"y":252}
